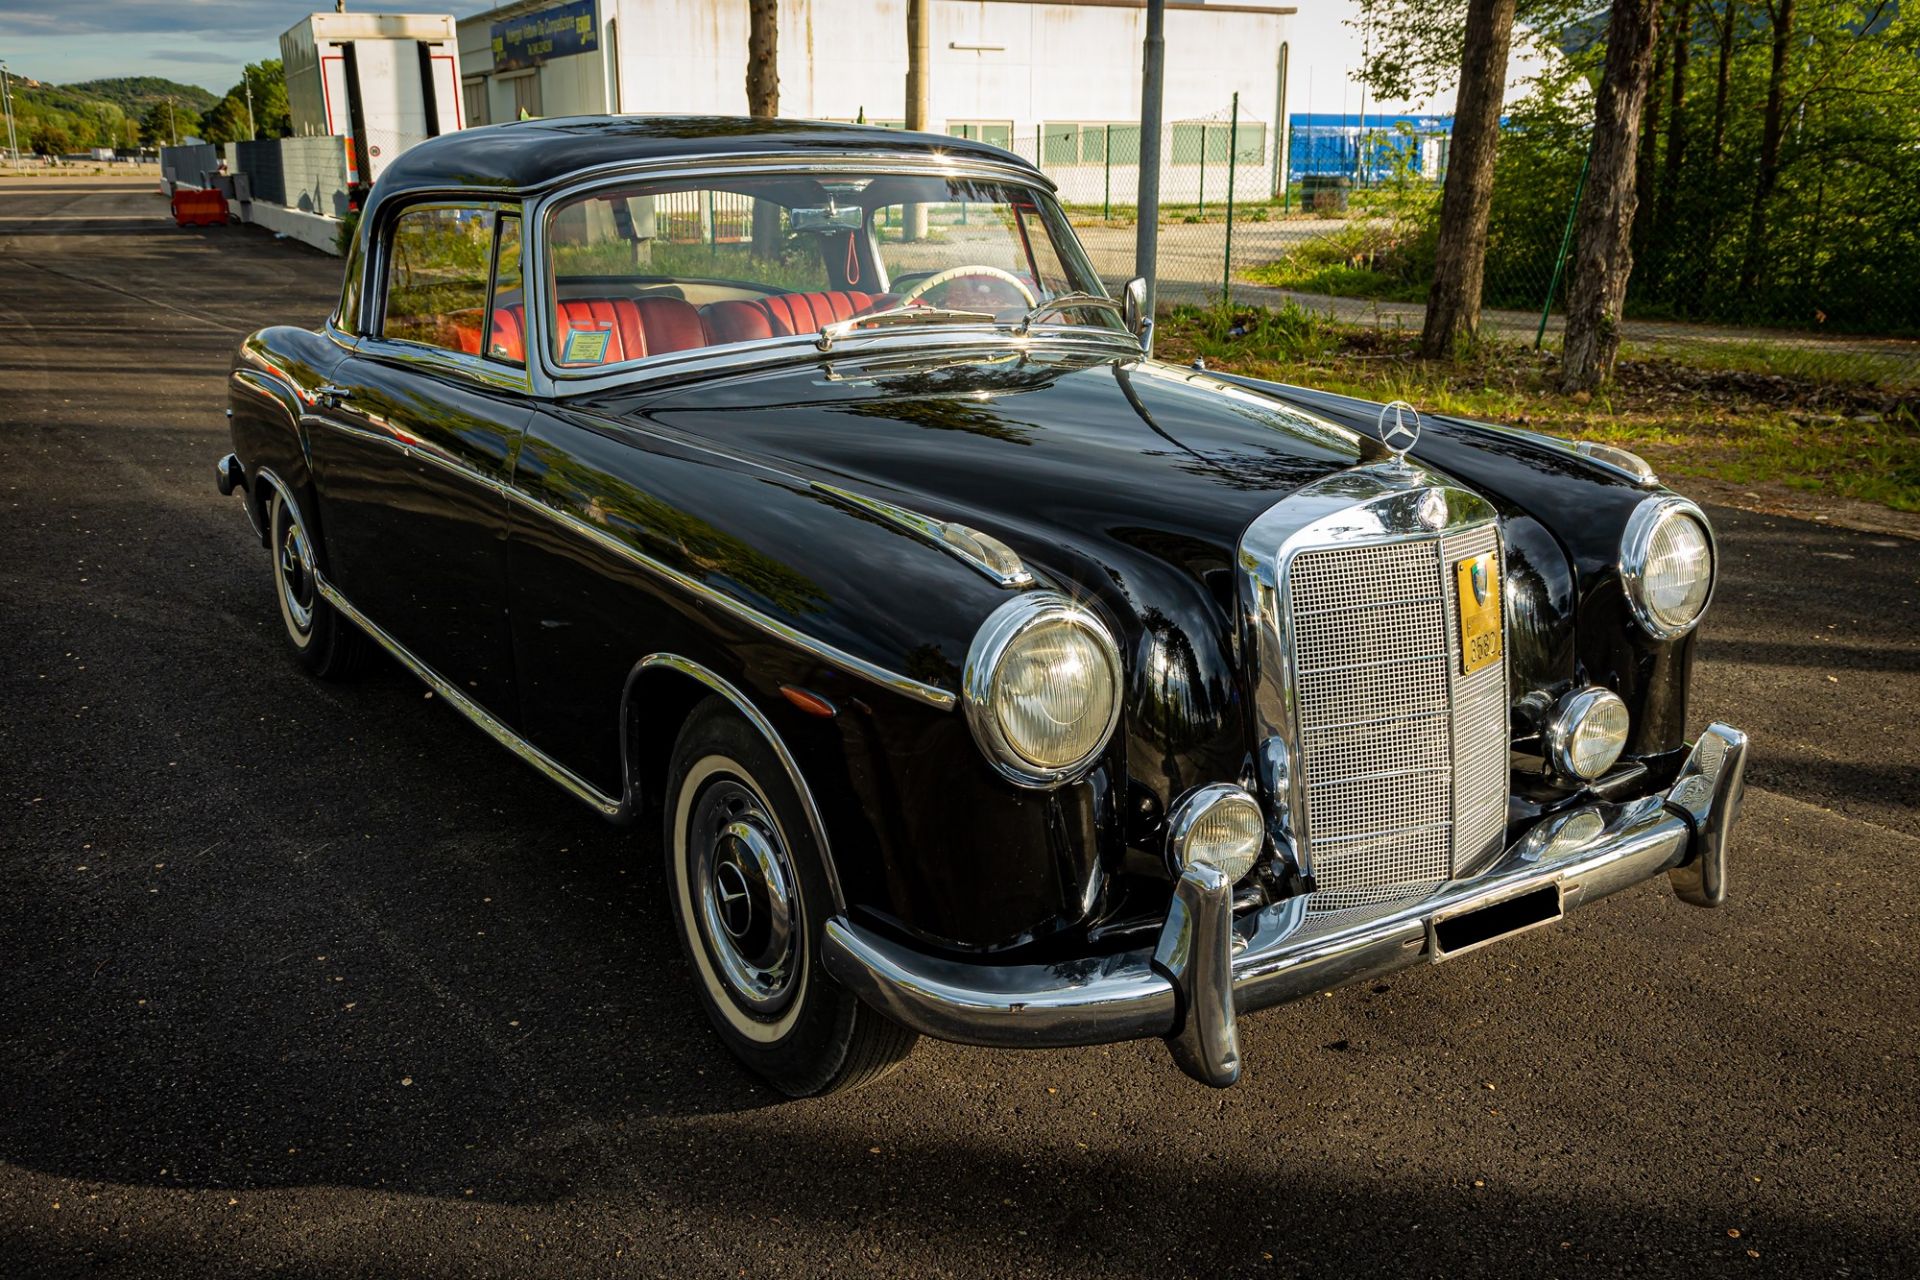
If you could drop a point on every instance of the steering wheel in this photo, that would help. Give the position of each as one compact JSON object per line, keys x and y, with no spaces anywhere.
{"x":938,"y":278}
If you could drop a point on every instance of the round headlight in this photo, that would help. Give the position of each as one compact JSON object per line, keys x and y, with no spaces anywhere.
{"x":1218,"y":826}
{"x":1588,"y":733}
{"x":1042,"y":688}
{"x":1666,"y":561}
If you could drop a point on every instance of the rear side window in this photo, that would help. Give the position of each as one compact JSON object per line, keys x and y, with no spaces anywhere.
{"x":439,"y":262}
{"x":347,"y":319}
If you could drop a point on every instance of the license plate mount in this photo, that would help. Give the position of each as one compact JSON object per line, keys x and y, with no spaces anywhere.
{"x":1494,"y":919}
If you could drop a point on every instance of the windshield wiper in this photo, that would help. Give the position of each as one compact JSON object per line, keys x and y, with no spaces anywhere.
{"x":909,"y":313}
{"x":1067,"y":302}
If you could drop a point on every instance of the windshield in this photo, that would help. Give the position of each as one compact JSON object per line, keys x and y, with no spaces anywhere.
{"x":660,"y":267}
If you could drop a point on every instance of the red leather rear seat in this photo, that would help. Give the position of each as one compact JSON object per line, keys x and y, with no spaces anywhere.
{"x":639,"y":327}
{"x":781,"y":315}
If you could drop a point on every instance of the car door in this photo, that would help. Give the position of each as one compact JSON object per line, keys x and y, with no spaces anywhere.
{"x":422,"y":425}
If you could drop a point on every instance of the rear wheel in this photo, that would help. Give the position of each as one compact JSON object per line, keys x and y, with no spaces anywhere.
{"x":324,"y":643}
{"x":751,"y":901}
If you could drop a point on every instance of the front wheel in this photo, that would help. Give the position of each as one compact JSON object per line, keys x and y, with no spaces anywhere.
{"x":751,"y":901}
{"x":324,"y":643}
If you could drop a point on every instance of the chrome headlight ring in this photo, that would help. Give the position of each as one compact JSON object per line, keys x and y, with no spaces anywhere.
{"x":998,"y":635}
{"x":1636,"y":546}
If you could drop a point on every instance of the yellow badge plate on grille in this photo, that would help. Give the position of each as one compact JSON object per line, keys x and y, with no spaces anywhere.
{"x":1476,"y":584}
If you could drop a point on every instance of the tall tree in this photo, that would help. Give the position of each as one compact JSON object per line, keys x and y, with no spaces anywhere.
{"x":763,"y":102}
{"x":1603,"y":230}
{"x":1647,"y":156}
{"x":1459,"y":266}
{"x":1772,"y":129}
{"x":1676,"y":157}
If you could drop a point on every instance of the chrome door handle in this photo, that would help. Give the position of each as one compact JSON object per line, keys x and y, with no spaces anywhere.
{"x":328,"y":394}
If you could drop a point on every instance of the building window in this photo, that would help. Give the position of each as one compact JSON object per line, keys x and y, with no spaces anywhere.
{"x":474,"y":93}
{"x":1206,"y":142}
{"x":1081,"y":143}
{"x":995,"y":133}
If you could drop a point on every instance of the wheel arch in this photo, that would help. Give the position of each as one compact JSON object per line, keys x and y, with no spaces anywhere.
{"x":661,"y":692}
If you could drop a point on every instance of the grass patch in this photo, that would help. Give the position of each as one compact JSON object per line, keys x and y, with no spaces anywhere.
{"x":1734,"y":425}
{"x":1388,"y":261}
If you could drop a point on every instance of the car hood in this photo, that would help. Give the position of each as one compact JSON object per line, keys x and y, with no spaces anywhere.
{"x":1104,"y":474}
{"x":1123,"y":482}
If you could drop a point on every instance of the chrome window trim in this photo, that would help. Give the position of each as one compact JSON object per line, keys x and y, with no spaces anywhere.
{"x":373,"y":298}
{"x":1374,"y":505}
{"x":559,"y":380}
{"x":1637,"y":542}
{"x":989,"y":646}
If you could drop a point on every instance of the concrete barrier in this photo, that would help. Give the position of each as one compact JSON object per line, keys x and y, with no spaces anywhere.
{"x":308,"y":228}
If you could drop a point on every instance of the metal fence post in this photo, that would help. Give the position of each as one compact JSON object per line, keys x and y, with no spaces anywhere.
{"x":1106,"y":198}
{"x":1202,"y":209}
{"x":1233,"y":156}
{"x":1566,"y":243}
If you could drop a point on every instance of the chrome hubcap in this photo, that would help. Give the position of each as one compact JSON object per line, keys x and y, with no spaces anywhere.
{"x":746,"y":895}
{"x":295,"y":571}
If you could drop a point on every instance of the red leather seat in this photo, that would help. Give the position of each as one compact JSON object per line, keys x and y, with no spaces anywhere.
{"x":781,"y":315}
{"x":636,"y":327}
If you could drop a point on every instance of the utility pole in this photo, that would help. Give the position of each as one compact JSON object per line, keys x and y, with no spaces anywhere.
{"x":919,"y":21}
{"x":6,"y":99}
{"x":252,"y":132}
{"x":1146,"y":232}
{"x":173,"y":126}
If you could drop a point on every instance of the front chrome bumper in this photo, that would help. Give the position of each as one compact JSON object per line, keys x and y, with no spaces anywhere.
{"x":1209,"y":968}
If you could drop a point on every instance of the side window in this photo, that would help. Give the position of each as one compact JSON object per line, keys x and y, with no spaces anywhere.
{"x":506,"y":340}
{"x":438,"y":264}
{"x":347,"y":318}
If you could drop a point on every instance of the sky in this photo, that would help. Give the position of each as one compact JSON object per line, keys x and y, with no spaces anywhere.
{"x":203,"y":42}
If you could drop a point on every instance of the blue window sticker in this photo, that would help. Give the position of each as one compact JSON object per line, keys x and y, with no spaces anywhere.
{"x":587,"y":346}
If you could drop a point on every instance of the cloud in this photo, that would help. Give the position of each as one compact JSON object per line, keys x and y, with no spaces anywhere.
{"x":226,"y":20}
{"x":215,"y":57}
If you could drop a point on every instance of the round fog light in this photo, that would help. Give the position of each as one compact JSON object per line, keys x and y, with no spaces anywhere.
{"x":1588,"y":733}
{"x":1218,"y":826}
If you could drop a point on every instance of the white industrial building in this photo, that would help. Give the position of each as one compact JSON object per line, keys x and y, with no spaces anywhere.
{"x":1060,"y":78}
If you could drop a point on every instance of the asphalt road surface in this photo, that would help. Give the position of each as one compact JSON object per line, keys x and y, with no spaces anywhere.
{"x":317,"y":981}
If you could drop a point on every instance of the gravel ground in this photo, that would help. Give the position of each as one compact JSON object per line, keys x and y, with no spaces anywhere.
{"x":316,"y":981}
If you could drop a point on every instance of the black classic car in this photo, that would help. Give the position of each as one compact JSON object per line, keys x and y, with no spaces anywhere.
{"x":798,"y":487}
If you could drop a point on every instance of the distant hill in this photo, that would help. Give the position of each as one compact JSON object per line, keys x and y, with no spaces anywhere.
{"x":134,"y":94}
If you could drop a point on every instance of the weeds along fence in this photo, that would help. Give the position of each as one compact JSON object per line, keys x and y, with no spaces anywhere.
{"x":1342,"y":221}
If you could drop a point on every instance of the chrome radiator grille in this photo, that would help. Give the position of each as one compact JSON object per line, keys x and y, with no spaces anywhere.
{"x":1404,"y":758}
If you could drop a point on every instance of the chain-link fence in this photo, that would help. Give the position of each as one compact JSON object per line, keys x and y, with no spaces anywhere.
{"x":1341,"y":220}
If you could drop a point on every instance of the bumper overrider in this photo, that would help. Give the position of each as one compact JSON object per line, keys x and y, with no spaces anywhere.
{"x":1208,"y":968}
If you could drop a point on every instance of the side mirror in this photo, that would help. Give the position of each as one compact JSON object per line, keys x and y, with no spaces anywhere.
{"x":1134,"y":301}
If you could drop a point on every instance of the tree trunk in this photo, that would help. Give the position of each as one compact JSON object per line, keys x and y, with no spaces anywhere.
{"x":763,"y":102}
{"x":1721,"y":86}
{"x":1603,"y":231}
{"x":1676,"y":157}
{"x":1459,"y":265}
{"x":1772,"y":129}
{"x":1647,"y":158}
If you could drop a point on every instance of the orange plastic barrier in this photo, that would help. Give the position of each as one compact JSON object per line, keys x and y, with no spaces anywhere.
{"x":199,"y":208}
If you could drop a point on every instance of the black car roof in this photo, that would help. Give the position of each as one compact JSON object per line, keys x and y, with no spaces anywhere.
{"x":529,"y":154}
